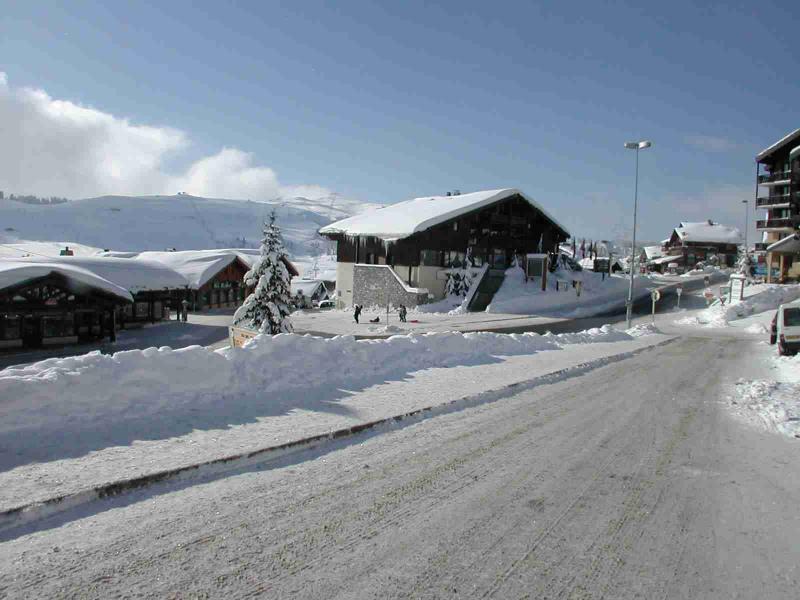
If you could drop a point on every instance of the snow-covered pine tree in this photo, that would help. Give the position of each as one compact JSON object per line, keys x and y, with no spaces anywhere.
{"x":459,"y":279}
{"x":267,"y":308}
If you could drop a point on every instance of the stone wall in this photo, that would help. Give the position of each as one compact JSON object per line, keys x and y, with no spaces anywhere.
{"x":375,"y":285}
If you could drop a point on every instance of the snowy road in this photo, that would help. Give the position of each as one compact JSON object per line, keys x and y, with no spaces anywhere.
{"x":629,"y":481}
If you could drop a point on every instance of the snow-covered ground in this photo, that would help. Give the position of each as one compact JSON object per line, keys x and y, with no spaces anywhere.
{"x":127,"y":223}
{"x":598,"y":294}
{"x":773,"y":401}
{"x":71,"y":428}
{"x":758,"y":299}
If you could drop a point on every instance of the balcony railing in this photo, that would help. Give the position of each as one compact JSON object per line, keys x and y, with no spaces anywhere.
{"x":784,"y":223}
{"x":773,"y":200}
{"x":779,"y":176}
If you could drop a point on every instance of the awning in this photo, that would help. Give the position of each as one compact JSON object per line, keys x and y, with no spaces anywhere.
{"x":788,"y":245}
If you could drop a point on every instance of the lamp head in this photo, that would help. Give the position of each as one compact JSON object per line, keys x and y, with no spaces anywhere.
{"x":638,"y":145}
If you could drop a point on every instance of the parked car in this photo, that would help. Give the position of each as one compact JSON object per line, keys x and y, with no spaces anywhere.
{"x":327,"y":304}
{"x":788,"y":328}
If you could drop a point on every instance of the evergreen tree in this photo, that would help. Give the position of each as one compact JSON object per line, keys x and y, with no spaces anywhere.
{"x":459,"y":278}
{"x":267,"y":308}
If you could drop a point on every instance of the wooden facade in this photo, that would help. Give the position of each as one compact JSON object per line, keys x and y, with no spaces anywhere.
{"x":688,"y":254}
{"x":493,"y":234}
{"x":55,"y":310}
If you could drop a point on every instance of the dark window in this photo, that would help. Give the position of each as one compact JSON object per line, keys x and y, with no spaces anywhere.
{"x":429,"y":258}
{"x":791,"y":317}
{"x":10,"y":327}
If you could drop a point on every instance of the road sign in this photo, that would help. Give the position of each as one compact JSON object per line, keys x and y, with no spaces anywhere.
{"x":655,"y":296}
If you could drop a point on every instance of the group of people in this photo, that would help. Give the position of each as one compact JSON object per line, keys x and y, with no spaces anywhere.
{"x":402,"y":312}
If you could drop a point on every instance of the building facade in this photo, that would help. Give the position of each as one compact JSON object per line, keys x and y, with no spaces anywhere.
{"x":778,"y":185}
{"x":703,"y":242}
{"x":421,"y":240}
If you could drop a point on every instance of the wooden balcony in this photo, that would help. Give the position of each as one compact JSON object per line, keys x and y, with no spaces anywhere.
{"x":783,"y":223}
{"x":773,"y":200}
{"x":778,"y":176}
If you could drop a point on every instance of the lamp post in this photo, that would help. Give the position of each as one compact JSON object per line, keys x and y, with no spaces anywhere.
{"x":746,"y":223}
{"x":634,"y":146}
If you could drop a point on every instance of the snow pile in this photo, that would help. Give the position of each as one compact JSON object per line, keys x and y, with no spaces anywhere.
{"x":598,"y":294}
{"x":756,"y":328}
{"x":758,"y":299}
{"x":96,"y":391}
{"x":774,"y":405}
{"x":642,"y":330}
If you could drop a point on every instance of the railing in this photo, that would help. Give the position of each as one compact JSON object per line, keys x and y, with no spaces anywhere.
{"x":778,"y":176}
{"x":784,"y":223}
{"x":772,"y":200}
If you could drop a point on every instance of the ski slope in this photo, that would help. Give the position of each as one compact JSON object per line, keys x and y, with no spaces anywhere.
{"x":183,"y":222}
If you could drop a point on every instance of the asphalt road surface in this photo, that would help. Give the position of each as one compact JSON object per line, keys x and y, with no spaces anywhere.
{"x":630,"y":481}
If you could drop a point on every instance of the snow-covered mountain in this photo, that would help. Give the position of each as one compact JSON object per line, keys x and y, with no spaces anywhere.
{"x":136,"y":223}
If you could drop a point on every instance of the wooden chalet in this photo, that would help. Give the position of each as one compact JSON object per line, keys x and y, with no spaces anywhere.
{"x":52,"y":304}
{"x":691,"y":243}
{"x":421,"y":239}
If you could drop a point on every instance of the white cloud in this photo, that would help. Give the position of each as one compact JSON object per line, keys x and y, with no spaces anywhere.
{"x":710,"y":143}
{"x":57,"y":147}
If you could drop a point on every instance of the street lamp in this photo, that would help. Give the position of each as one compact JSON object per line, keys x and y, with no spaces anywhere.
{"x":746,"y":223}
{"x":634,"y":146}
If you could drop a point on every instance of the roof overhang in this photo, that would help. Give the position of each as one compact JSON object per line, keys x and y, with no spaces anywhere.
{"x":788,"y":245}
{"x":795,"y":135}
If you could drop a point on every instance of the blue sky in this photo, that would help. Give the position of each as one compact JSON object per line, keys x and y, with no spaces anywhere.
{"x":385,"y":102}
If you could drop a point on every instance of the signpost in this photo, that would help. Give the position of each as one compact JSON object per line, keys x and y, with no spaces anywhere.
{"x":736,"y":288}
{"x":679,"y":291}
{"x":655,"y":296}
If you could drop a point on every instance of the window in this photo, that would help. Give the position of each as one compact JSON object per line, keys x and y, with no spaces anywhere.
{"x":791,"y":317}
{"x":10,"y":327}
{"x":57,"y":326}
{"x":455,"y":225}
{"x":454,"y":259}
{"x":141,"y":309}
{"x":429,"y":258}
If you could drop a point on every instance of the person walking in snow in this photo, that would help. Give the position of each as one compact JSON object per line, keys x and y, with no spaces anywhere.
{"x":185,"y":306}
{"x":356,"y":312}
{"x":402,"y":313}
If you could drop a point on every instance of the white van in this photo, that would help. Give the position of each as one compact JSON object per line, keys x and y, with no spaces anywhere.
{"x":787,"y":328}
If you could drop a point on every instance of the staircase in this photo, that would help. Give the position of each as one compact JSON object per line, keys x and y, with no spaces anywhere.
{"x":489,"y":283}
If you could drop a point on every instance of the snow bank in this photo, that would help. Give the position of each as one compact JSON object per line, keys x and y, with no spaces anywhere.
{"x":774,"y":405}
{"x":758,"y":299}
{"x":88,"y":393}
{"x":598,"y":294}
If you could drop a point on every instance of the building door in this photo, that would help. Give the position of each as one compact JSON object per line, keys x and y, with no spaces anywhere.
{"x":31,"y":331}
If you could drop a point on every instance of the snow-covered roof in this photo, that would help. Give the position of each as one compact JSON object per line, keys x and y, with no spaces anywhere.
{"x":789,"y":244}
{"x":309,"y":287}
{"x":708,"y":231}
{"x":197,"y":267}
{"x":133,"y":275}
{"x":401,"y":220}
{"x":17,"y":271}
{"x":653,"y":252}
{"x":784,"y":140}
{"x":666,"y":260}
